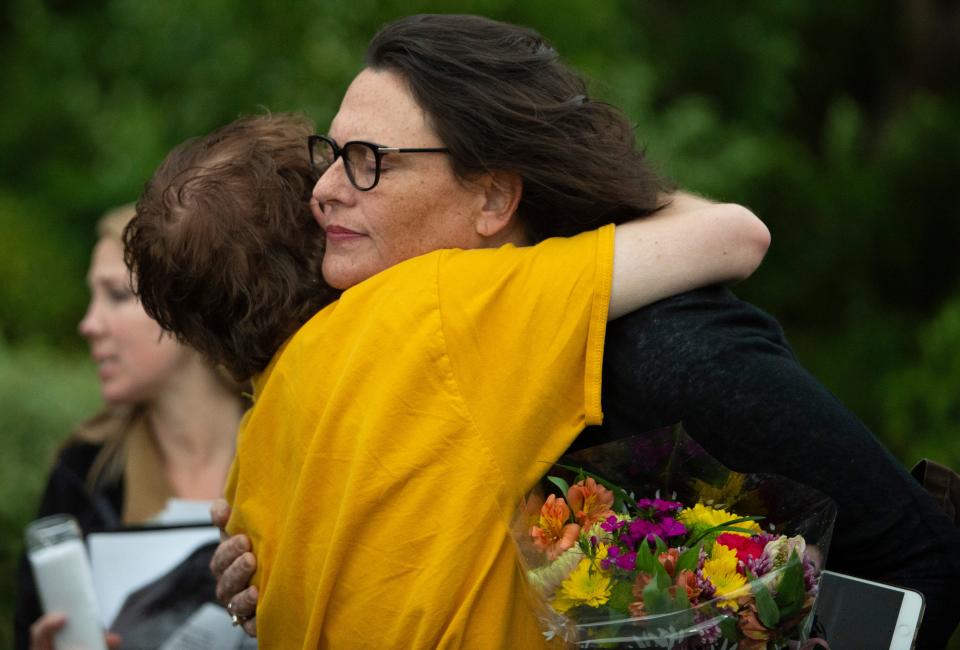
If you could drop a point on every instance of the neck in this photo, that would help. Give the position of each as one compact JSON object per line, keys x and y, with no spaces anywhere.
{"x":194,"y":423}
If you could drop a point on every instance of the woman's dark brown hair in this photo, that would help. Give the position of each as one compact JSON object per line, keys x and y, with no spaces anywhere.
{"x":224,"y":250}
{"x":500,"y":99}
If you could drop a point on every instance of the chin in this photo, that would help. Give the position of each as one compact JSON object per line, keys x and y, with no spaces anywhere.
{"x":118,"y":396}
{"x":344,"y":278}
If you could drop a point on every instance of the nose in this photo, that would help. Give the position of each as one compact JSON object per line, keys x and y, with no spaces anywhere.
{"x":333,"y":187}
{"x":91,"y":325}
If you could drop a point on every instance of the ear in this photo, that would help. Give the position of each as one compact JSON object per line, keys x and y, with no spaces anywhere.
{"x":501,"y":192}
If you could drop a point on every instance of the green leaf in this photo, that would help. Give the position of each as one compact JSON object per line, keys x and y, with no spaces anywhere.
{"x":728,"y":627}
{"x":560,"y":483}
{"x":646,"y":561}
{"x":655,"y":599}
{"x":792,"y":590}
{"x":661,"y":577}
{"x":688,"y":559}
{"x":680,"y":600}
{"x":767,"y":610}
{"x":661,"y":546}
{"x":621,"y":596}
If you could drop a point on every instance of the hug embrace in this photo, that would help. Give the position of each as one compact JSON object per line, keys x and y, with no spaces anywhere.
{"x":426,"y":299}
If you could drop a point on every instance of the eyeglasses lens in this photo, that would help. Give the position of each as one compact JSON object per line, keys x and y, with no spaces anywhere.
{"x":361,"y":164}
{"x":321,"y":154}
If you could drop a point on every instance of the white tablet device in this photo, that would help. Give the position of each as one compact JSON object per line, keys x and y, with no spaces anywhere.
{"x":853,"y":613}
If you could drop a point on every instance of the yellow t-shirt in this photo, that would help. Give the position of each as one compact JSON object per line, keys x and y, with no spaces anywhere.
{"x":393,"y":435}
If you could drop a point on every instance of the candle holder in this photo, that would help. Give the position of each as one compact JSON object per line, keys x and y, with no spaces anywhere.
{"x":62,"y":573}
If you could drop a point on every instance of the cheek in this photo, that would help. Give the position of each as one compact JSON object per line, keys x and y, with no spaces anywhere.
{"x":147,"y":347}
{"x":432,"y":216}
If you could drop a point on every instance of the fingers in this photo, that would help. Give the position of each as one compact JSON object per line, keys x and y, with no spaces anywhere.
{"x":244,"y":604}
{"x":114,"y":641}
{"x":42,"y":631}
{"x":228,"y":551}
{"x":244,"y":607}
{"x":250,"y":627}
{"x":236,"y":577}
{"x":220,"y":513}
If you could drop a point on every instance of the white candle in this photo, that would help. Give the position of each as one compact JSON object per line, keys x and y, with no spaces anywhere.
{"x":62,"y":573}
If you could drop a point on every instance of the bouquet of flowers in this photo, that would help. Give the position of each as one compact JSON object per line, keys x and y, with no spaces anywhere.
{"x":650,"y":543}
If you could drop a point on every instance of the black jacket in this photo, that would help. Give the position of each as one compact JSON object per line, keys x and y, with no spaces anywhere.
{"x":724,"y":368}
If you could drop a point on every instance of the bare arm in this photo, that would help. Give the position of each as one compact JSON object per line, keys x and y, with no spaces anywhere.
{"x":691,"y":243}
{"x":681,"y":201}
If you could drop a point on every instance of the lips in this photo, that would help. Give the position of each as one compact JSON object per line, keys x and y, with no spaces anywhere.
{"x":341,"y":234}
{"x":106,"y":367}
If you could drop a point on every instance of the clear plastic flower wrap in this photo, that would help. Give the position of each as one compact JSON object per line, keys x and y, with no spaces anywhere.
{"x":649,"y":542}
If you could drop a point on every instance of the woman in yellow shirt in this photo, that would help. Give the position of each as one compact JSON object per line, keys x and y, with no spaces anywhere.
{"x":416,"y":409}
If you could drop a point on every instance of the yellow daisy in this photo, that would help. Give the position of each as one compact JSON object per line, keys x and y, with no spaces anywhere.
{"x":729,"y":492}
{"x":721,"y":570}
{"x":587,"y":584}
{"x":701,"y":517}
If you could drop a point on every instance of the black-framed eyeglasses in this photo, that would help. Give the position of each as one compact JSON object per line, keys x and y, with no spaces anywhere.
{"x":361,"y":160}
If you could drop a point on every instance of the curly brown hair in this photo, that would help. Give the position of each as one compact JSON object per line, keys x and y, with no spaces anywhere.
{"x":499,"y":97}
{"x":225,"y":252}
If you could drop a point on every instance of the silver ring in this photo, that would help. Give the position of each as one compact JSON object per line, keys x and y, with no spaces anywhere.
{"x":235,"y":619}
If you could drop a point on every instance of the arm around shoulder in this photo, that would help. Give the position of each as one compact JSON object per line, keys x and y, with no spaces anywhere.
{"x":672,"y":252}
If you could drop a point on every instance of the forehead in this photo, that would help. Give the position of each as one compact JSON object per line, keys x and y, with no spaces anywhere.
{"x":107,"y":260}
{"x":378,"y":107}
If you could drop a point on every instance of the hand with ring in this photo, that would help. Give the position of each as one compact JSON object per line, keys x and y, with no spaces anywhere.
{"x":236,"y":619}
{"x":233,"y":565}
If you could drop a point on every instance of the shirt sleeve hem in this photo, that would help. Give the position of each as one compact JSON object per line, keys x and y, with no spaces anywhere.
{"x":598,"y":326}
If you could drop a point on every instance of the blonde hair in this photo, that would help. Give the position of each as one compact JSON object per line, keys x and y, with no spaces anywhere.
{"x":113,"y":425}
{"x":112,"y":223}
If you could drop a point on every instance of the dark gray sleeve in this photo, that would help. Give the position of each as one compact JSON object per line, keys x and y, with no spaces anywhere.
{"x":724,"y":368}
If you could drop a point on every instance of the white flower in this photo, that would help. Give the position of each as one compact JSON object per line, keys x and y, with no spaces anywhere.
{"x":779,"y":550}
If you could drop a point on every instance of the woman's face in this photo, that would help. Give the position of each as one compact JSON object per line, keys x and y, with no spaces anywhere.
{"x":418,"y":206}
{"x":134,"y":362}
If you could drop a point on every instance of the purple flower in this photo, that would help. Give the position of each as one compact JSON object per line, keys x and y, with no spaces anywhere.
{"x":641,"y":529}
{"x":659,"y":506}
{"x":759,"y":566}
{"x":627,"y":561}
{"x":612,"y":554}
{"x":670,"y":527}
{"x":809,"y":575}
{"x":612,"y":524}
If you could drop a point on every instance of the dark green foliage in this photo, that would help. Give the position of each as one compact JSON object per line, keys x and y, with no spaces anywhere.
{"x":44,"y":394}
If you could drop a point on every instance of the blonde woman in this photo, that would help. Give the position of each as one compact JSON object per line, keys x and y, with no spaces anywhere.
{"x":167,"y":428}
